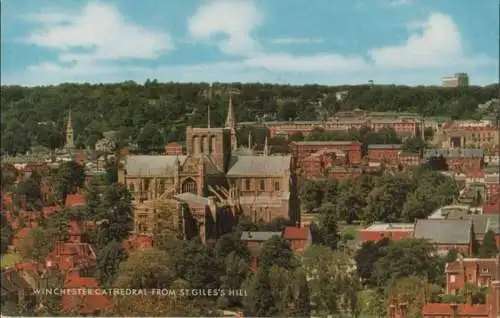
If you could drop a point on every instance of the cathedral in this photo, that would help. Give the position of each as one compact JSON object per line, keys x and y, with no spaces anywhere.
{"x":206,"y":190}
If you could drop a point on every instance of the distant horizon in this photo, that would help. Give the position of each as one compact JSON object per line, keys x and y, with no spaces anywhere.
{"x":399,"y":42}
{"x":245,"y":83}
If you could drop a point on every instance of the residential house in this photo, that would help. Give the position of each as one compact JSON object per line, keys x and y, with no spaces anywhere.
{"x":255,"y":241}
{"x":300,"y":238}
{"x":476,"y":271}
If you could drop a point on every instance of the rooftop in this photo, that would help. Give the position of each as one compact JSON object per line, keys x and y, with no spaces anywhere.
{"x":404,"y":227}
{"x":258,"y":236}
{"x":444,"y":231}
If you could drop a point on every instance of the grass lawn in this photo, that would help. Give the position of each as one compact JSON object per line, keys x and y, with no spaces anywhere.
{"x":10,"y":259}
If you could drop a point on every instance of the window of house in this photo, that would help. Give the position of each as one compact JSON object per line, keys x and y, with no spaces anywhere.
{"x":146,"y":184}
{"x":452,"y":278}
{"x":484,"y":270}
{"x":276,"y":185}
{"x":131,"y":188}
{"x":262,"y":185}
{"x":247,"y":184}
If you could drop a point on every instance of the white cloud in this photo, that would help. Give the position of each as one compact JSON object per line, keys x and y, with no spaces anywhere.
{"x":297,"y":40}
{"x":101,"y":31}
{"x":438,"y":44}
{"x":233,"y":19}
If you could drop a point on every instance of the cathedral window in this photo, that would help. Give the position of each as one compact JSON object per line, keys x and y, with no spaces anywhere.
{"x":146,"y":184}
{"x":131,"y":188}
{"x":247,"y":184}
{"x":276,"y":185}
{"x":162,"y":187}
{"x":262,"y":185}
{"x":189,"y":185}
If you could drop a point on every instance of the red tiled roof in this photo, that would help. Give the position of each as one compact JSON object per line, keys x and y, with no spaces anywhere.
{"x":296,"y":233}
{"x":7,"y":198}
{"x":80,"y":157}
{"x":138,"y":242}
{"x":30,"y":266}
{"x":83,"y":304}
{"x":75,"y":199}
{"x":48,"y":210}
{"x":463,"y":309}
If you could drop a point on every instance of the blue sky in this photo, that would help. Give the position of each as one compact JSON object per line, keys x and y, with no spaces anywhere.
{"x":413,"y":42}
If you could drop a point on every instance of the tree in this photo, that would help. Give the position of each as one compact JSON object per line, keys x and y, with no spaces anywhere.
{"x":70,"y":177}
{"x":28,"y":192}
{"x":276,"y":252}
{"x":451,"y":256}
{"x":109,"y":259}
{"x":145,"y":269}
{"x":37,"y":245}
{"x":93,"y":207}
{"x":333,"y":282}
{"x":236,"y":271}
{"x":414,"y":145}
{"x":261,"y":302}
{"x":230,"y":243}
{"x":414,"y":291}
{"x":9,"y":175}
{"x":328,"y":230}
{"x":310,"y":194}
{"x":303,"y":302}
{"x":489,"y":247}
{"x":409,"y":257}
{"x":117,"y":213}
{"x":366,"y":257}
{"x":277,"y":224}
{"x":6,"y":234}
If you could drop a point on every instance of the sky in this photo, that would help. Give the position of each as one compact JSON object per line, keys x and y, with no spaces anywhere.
{"x":332,"y":42}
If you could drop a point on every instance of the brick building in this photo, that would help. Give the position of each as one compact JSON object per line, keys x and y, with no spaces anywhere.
{"x":477,"y":271}
{"x":402,"y":124}
{"x":458,"y":160}
{"x":394,"y":231}
{"x":255,"y":241}
{"x":469,"y":134}
{"x":350,"y":150}
{"x":447,"y":235}
{"x":384,"y":153}
{"x":492,"y":182}
{"x":300,"y":238}
{"x":173,"y":149}
{"x":409,"y":159}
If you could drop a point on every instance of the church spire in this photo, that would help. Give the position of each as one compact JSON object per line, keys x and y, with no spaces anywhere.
{"x":230,"y":113}
{"x":231,"y":123}
{"x":266,"y":148}
{"x":69,"y":132}
{"x":209,"y":103}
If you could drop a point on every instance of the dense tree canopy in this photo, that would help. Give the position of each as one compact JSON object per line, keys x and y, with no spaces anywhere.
{"x":387,"y":198}
{"x":155,"y":113}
